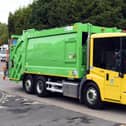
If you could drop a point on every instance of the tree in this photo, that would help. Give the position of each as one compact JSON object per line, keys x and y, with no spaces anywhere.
{"x":11,"y":28}
{"x":3,"y":33}
{"x":19,"y":20}
{"x":43,"y":14}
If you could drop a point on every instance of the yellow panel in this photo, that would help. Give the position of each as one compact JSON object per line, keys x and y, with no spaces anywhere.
{"x":97,"y":76}
{"x":91,"y":52}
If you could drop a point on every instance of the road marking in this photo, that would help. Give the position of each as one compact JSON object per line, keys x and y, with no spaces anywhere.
{"x":3,"y":107}
{"x":2,"y":98}
{"x":31,"y":103}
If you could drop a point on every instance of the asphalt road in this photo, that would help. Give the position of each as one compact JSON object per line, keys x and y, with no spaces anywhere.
{"x":19,"y":111}
{"x":19,"y":108}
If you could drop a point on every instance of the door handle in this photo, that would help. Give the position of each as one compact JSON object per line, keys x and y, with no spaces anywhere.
{"x":107,"y":76}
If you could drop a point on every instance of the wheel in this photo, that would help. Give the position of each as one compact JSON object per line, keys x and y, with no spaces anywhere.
{"x":40,"y":87}
{"x":28,"y":84}
{"x":92,"y":96}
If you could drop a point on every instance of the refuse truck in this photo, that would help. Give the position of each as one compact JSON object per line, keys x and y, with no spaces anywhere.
{"x":81,"y":61}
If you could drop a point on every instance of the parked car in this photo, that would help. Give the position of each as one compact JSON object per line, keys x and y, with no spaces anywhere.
{"x":3,"y":55}
{"x":3,"y":52}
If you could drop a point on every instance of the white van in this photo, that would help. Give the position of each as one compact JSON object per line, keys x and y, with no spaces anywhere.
{"x":3,"y":52}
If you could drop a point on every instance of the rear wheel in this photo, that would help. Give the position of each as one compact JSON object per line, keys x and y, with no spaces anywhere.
{"x":28,"y":84}
{"x":92,"y":96}
{"x":41,"y":87}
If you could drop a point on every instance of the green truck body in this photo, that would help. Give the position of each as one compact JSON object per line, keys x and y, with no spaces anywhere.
{"x":60,"y":52}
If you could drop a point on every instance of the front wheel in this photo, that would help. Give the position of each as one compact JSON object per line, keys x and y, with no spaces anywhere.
{"x":92,"y":96}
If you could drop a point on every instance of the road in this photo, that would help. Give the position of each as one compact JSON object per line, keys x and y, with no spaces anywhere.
{"x":60,"y":110}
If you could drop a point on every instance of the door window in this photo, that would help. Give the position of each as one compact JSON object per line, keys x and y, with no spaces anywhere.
{"x":107,"y":53}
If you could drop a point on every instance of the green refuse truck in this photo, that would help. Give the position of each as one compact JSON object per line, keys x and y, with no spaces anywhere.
{"x":59,"y":60}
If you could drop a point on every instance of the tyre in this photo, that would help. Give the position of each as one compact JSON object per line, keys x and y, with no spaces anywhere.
{"x":28,"y":84}
{"x":92,"y":97}
{"x":40,"y":87}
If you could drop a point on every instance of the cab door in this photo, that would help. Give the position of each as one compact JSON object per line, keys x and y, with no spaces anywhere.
{"x":112,"y":71}
{"x":112,"y":85}
{"x":107,"y":56}
{"x":115,"y":78}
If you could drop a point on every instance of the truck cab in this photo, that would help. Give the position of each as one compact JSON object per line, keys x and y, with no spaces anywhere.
{"x":108,"y":65}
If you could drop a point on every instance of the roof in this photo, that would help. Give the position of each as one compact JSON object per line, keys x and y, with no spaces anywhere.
{"x":75,"y":28}
{"x":104,"y":35}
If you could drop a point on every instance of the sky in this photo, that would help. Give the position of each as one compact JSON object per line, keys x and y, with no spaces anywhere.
{"x":7,"y":6}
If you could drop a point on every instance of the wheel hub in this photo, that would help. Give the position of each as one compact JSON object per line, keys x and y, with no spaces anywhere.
{"x":91,"y":95}
{"x":28,"y":85}
{"x":39,"y":86}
